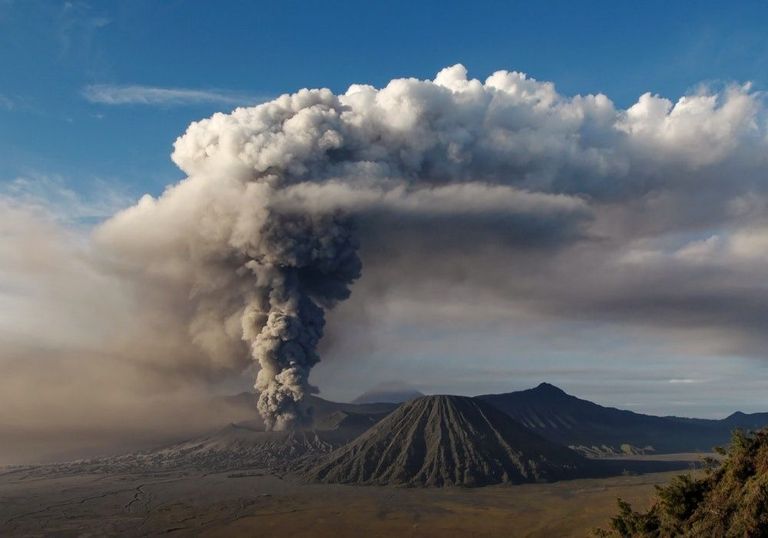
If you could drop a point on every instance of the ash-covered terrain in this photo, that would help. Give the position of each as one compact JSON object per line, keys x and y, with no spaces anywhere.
{"x":242,"y":445}
{"x":232,"y":480}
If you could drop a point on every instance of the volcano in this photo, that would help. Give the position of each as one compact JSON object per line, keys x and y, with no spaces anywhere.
{"x":448,"y":441}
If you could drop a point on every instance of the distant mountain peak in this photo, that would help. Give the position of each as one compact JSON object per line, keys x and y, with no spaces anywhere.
{"x":549,"y":387}
{"x":572,"y":421}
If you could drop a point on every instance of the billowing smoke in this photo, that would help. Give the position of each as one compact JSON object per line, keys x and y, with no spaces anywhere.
{"x":301,"y":264}
{"x":263,"y":231}
{"x":263,"y":235}
{"x":451,"y":208}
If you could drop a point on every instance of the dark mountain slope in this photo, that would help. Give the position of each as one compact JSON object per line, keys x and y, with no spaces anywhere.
{"x":446,"y":441}
{"x":746,"y":421}
{"x":592,"y":428}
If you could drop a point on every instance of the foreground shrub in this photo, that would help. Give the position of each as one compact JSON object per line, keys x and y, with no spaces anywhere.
{"x":729,"y":499}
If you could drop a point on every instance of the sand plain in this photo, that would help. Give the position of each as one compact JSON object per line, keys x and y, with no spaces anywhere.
{"x":44,"y":502}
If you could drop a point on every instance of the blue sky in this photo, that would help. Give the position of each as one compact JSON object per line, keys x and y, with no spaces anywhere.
{"x":50,"y":52}
{"x":93,"y":95}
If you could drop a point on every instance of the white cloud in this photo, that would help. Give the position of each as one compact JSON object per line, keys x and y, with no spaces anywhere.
{"x":112,"y":94}
{"x":684,"y":381}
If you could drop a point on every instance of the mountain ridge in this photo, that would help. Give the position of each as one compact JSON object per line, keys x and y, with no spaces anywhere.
{"x":594,"y":429}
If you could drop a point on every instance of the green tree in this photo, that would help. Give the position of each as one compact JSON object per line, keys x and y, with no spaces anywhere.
{"x":730,"y":499}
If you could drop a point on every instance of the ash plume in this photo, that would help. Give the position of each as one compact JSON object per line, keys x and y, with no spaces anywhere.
{"x":301,"y":266}
{"x":263,"y":231}
{"x":286,"y":201}
{"x":480,"y":208}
